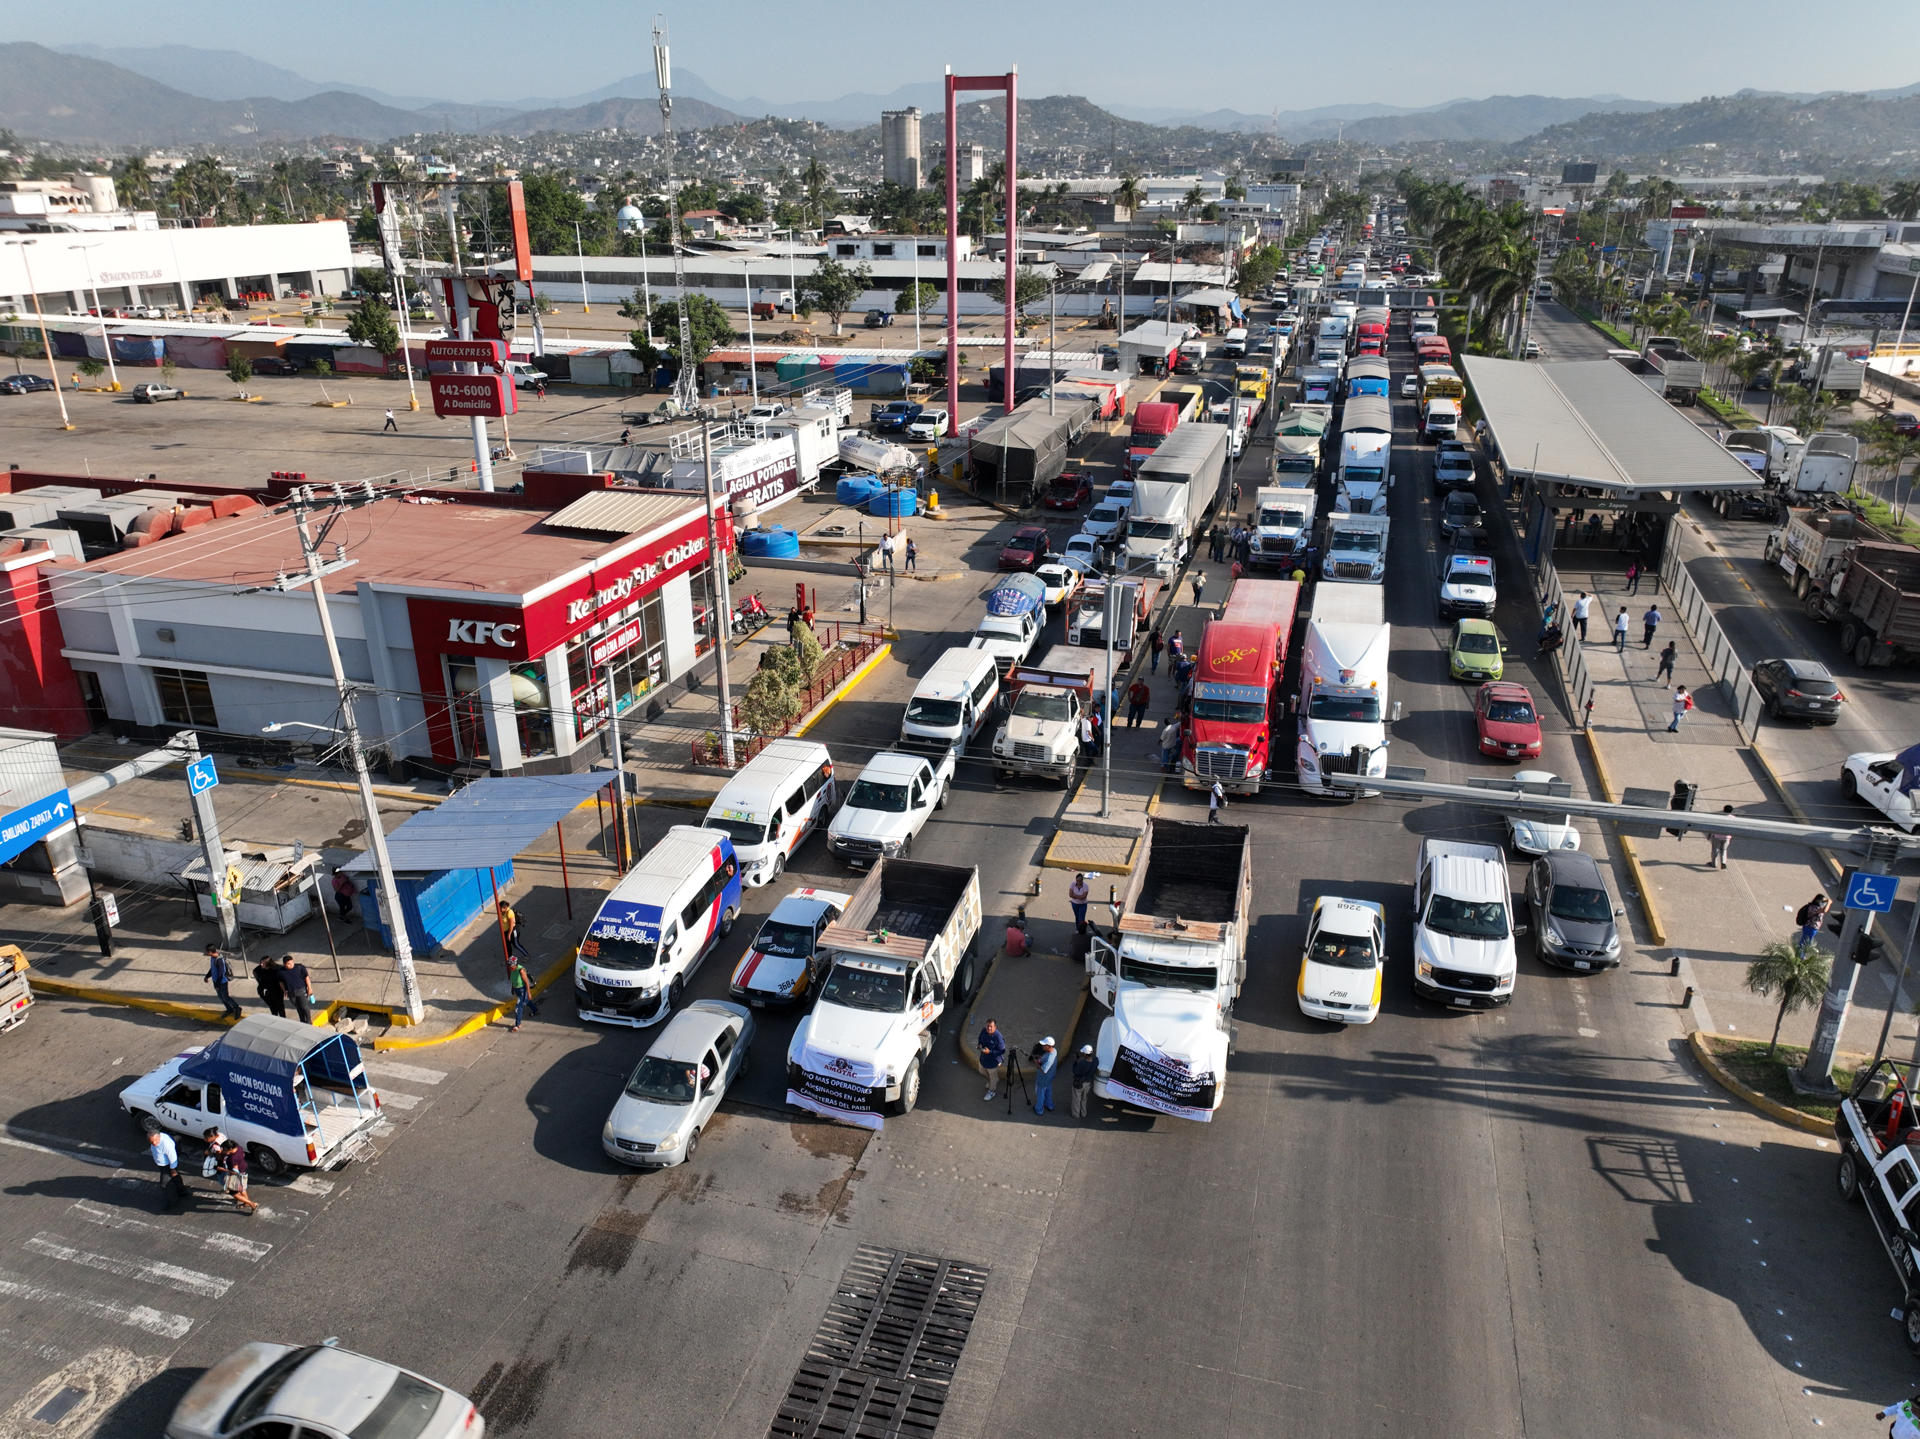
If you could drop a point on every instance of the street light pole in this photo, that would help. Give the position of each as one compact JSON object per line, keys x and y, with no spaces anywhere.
{"x":753,"y":354}
{"x":106,"y":340}
{"x":1900,"y":345}
{"x":47,"y":344}
{"x":717,"y":597}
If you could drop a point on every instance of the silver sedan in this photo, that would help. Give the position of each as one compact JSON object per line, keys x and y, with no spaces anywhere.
{"x":673,"y":1092}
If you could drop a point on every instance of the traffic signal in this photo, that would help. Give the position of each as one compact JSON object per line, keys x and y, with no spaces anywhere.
{"x":1683,"y":797}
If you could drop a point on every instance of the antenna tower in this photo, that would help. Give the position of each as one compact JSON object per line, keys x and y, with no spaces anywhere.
{"x":686,"y":391}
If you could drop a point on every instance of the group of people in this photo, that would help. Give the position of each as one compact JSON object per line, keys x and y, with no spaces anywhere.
{"x":279,"y":983}
{"x":991,"y":1046}
{"x":1231,"y":542}
{"x":226,"y":1161}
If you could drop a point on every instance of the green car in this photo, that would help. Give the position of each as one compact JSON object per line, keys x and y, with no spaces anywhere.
{"x":1476,"y":652}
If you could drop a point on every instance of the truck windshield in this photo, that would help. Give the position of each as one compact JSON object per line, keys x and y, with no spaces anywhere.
{"x":1577,"y":902}
{"x":872,"y":794}
{"x":742,"y":832}
{"x":940,"y":713}
{"x":1281,"y":520}
{"x":664,"y":1081}
{"x":1366,"y":474}
{"x":1037,"y":705}
{"x":1347,"y":709}
{"x":1467,"y":919}
{"x":1355,"y":542}
{"x":1199,"y":978}
{"x":788,"y":941}
{"x":612,"y":951}
{"x":1343,"y":951}
{"x":1153,"y":530}
{"x":882,"y":991}
{"x":1229,"y":711}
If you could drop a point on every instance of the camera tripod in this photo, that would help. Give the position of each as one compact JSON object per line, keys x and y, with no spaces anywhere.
{"x":1016,"y":1075}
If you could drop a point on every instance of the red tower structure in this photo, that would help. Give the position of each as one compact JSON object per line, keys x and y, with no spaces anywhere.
{"x":955,"y":84}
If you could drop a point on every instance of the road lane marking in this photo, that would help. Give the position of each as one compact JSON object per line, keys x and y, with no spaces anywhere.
{"x":147,"y":1271}
{"x":310,"y":1184}
{"x":391,"y":1100}
{"x":137,"y":1316}
{"x":63,"y":1148}
{"x":390,"y":1069}
{"x":251,"y":1250}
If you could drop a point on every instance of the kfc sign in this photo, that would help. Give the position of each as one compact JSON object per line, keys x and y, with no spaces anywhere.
{"x":483,"y":632}
{"x":618,"y":592}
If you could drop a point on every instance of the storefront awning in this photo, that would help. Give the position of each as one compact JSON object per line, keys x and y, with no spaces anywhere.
{"x":486,"y":824}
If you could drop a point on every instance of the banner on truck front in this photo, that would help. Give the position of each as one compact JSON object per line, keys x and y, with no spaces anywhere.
{"x":1144,"y":1076}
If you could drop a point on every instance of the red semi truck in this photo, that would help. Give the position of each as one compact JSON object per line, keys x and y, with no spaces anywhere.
{"x":1153,"y":421}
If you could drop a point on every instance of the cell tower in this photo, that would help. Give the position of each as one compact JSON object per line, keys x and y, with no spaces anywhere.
{"x":686,"y":386}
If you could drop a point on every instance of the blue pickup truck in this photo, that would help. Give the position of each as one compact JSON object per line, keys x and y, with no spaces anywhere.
{"x":893,"y":416}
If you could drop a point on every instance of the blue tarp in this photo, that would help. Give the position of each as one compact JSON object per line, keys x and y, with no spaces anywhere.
{"x":1017,"y":595}
{"x":254,"y":1064}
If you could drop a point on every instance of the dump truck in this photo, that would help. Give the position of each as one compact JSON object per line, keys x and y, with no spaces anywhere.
{"x":16,"y":995}
{"x":1813,"y":543}
{"x":1874,"y":596}
{"x":1671,"y":370}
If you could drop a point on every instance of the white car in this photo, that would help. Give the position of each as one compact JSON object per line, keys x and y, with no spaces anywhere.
{"x":1107,"y":523}
{"x":1875,"y":778}
{"x":318,"y":1391}
{"x":1533,"y":835}
{"x":767,"y":410}
{"x":1409,"y":387}
{"x":1344,"y":966}
{"x":1121,"y":490}
{"x":930,"y":425}
{"x":1061,"y":579}
{"x":1083,"y":553}
{"x":679,"y":1083}
{"x":782,"y":963}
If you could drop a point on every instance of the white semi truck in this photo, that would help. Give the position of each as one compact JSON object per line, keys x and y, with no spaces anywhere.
{"x":1342,"y":708}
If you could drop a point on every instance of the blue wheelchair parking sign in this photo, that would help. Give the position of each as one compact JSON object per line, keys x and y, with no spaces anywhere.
{"x":1869,"y":891}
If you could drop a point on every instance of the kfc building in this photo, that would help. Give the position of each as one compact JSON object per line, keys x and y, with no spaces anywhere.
{"x":482,"y":634}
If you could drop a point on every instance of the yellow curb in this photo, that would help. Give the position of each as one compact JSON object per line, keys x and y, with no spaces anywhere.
{"x":844,"y":688}
{"x":1096,"y":866}
{"x":962,"y":1036}
{"x":1656,"y":930}
{"x":475,"y":1023}
{"x":1834,"y":867}
{"x":1772,"y":1108}
{"x":66,"y":989}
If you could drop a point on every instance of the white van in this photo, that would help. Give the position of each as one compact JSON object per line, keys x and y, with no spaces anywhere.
{"x":782,"y":795}
{"x":1235,"y":342}
{"x":953,"y":700}
{"x":654,"y":928}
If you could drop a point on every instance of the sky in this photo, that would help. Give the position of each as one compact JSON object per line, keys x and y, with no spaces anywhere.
{"x":1128,"y":52}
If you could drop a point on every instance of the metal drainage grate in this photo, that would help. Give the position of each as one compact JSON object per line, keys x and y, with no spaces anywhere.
{"x":884,"y":1356}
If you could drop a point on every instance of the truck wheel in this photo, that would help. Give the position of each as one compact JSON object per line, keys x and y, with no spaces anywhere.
{"x":1863,"y":651}
{"x":1911,"y":1326}
{"x":1802,"y":585}
{"x":675,"y":993}
{"x":909,"y":1089}
{"x":1849,"y":632}
{"x":941,"y":803}
{"x":1849,"y":786}
{"x":265,"y":1161}
{"x":963,"y":981}
{"x":1848,"y":1177}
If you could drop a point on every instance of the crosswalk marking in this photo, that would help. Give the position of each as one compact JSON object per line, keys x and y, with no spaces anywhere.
{"x":148,"y":1271}
{"x":136,"y":1316}
{"x":251,"y":1250}
{"x":309,"y":1183}
{"x":412,"y":1073}
{"x":390,"y":1100}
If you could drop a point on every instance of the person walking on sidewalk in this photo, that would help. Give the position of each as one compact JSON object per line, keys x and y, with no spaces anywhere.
{"x":1682,"y":702}
{"x":220,"y":974}
{"x":992,"y":1046}
{"x":1719,"y":843}
{"x":391,"y":424}
{"x":1139,"y":696}
{"x":913,"y":556}
{"x":1649,"y":622}
{"x":1582,"y":607}
{"x":1199,"y":587}
{"x":166,"y":1158}
{"x":1154,"y":645}
{"x":1811,"y":917}
{"x":1046,"y":1063}
{"x":1620,"y":629}
{"x":298,"y":985}
{"x":510,"y":931}
{"x":1078,"y":893}
{"x":886,"y":553}
{"x":1085,"y":1067}
{"x":1633,"y":578}
{"x":266,"y":984}
{"x":1667,"y":657}
{"x":1216,"y":798}
{"x":521,"y":988}
{"x":1169,"y":744}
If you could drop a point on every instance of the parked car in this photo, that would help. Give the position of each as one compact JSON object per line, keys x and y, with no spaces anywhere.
{"x":317,"y":1390}
{"x":1904,"y":423}
{"x":1804,"y":689}
{"x":152,"y":392}
{"x":927,"y":425}
{"x":1531,"y":350}
{"x":782,"y":963}
{"x":1475,"y":651}
{"x":274,"y":365}
{"x":1530,"y":834}
{"x":25,"y":384}
{"x":1061,"y":579}
{"x":673,"y":1091}
{"x":1025,"y":550}
{"x":1069,"y":490}
{"x":1877,"y":779}
{"x":1343,"y":967}
{"x":1573,"y":915}
{"x":767,"y":410}
{"x":879,"y":319}
{"x":1462,"y":521}
{"x":1506,"y":721}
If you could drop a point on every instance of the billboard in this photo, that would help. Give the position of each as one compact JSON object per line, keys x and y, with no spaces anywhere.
{"x":467,"y":396}
{"x":1581,"y":174}
{"x":491,"y":353}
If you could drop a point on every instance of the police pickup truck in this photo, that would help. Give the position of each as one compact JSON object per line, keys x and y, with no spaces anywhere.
{"x":1879,"y":1134}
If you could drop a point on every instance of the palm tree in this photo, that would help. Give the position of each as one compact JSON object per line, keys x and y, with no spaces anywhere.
{"x":1130,"y":193}
{"x":135,"y":182}
{"x":1193,"y":199}
{"x":1903,"y":200}
{"x":818,"y":185}
{"x":1892,"y":451}
{"x":1791,"y":972}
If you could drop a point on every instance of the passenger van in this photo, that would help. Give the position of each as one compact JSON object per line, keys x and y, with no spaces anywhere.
{"x":655,"y":927}
{"x":953,"y":700}
{"x":782,"y":795}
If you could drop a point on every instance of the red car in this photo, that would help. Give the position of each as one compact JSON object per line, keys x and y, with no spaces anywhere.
{"x":1026,"y":549}
{"x":1070,"y":491}
{"x":1508,"y":723}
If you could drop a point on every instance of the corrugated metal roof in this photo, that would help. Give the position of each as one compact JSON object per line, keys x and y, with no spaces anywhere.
{"x":623,"y":512}
{"x":1592,"y":422}
{"x":486,"y":824}
{"x":1217,"y":298}
{"x":259,"y":873}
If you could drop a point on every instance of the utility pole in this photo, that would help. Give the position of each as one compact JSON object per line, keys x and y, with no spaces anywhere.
{"x":225,"y":913}
{"x":1106,"y":724}
{"x":720,"y":600}
{"x":300,"y":502}
{"x":1815,"y":1076}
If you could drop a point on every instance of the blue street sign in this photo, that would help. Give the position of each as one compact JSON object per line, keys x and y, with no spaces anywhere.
{"x":201,"y":776}
{"x":1869,"y":891}
{"x":32,"y":823}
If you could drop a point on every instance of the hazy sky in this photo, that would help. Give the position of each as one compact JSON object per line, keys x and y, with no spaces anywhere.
{"x":1246,"y":56}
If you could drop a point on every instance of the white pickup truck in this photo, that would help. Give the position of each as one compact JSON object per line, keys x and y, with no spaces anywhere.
{"x":902,"y":952}
{"x":888,"y":805}
{"x":1879,"y":1134}
{"x":1008,"y":638}
{"x":1463,"y":929}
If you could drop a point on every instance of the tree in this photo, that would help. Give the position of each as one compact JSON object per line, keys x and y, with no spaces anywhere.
{"x":373,"y":327}
{"x":1236,"y":186}
{"x":1193,"y":199}
{"x":1903,"y":200}
{"x":1793,"y":973}
{"x":706,"y":324}
{"x":917,"y":298}
{"x":553,"y":208}
{"x":1130,"y":193}
{"x":1029,"y":284}
{"x":816,"y":183}
{"x":239,"y":369}
{"x":134,"y":182}
{"x":90,"y":367}
{"x":834,"y":288}
{"x":744,"y":207}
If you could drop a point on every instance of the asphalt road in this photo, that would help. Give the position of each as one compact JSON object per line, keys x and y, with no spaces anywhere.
{"x":1536,"y":1221}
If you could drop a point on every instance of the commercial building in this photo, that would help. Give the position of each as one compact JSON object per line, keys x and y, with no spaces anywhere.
{"x":969,"y":164}
{"x":900,"y":147}
{"x":171,"y":268}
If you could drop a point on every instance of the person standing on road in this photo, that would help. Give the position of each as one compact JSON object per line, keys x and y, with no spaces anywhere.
{"x":1719,"y":843}
{"x":1085,"y":1067}
{"x":1176,"y":648}
{"x":1582,"y":607}
{"x":1215,"y":542}
{"x":1216,"y":797}
{"x":1667,"y":656}
{"x":886,"y":553}
{"x":1620,"y":629}
{"x":1046,"y":1063}
{"x":299,"y":987}
{"x":266,"y":984}
{"x":1682,"y":702}
{"x":1077,"y":895}
{"x":344,"y":890}
{"x":233,"y":1176}
{"x":992,"y":1046}
{"x":166,"y":1158}
{"x":1633,"y":578}
{"x":1139,"y":696}
{"x":1169,"y":743}
{"x":1199,"y":587}
{"x":391,"y":424}
{"x":220,"y":974}
{"x":1086,"y":736}
{"x":521,"y":988}
{"x":913,"y":556}
{"x":1649,"y":622}
{"x":1155,"y":645}
{"x":1812,"y":916}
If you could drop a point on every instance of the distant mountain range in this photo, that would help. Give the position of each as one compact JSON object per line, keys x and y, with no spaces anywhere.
{"x":1754,"y":129}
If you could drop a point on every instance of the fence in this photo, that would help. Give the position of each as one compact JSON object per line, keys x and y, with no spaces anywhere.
{"x":1572,"y":661}
{"x":1721,"y":661}
{"x":850,"y":649}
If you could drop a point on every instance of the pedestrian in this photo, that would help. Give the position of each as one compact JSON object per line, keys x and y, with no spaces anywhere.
{"x":510,"y":931}
{"x":1169,"y":744}
{"x":1620,"y":629}
{"x":1244,"y":550}
{"x":1199,"y":586}
{"x":1633,"y":577}
{"x":1077,"y":895}
{"x":1176,"y":647}
{"x":299,"y":987}
{"x":1155,"y":644}
{"x":233,"y":1171}
{"x":1139,"y":696}
{"x":1582,"y":607}
{"x":1811,"y":916}
{"x":1182,"y":674}
{"x":391,"y":424}
{"x":1649,"y":622}
{"x":1099,"y":732}
{"x":886,"y":553}
{"x":220,"y":974}
{"x":1216,"y":797}
{"x":344,"y":890}
{"x":1667,"y":656}
{"x":626,"y":436}
{"x":1682,"y":702}
{"x":1215,"y":542}
{"x":166,"y":1158}
{"x":1236,"y":497}
{"x":521,"y":988}
{"x":266,"y":984}
{"x":1719,"y":843}
{"x":793,"y":627}
{"x":541,"y":389}
{"x":1085,"y":1066}
{"x":1086,"y":735}
{"x":913,"y":556}
{"x":1046,"y":1062}
{"x":1906,"y":1419}
{"x":992,"y":1045}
